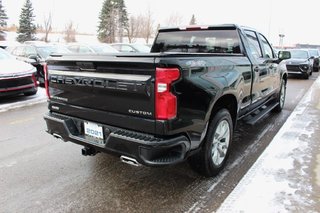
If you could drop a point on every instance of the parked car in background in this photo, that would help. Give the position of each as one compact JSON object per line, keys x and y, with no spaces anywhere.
{"x":300,"y":63}
{"x":315,"y":53}
{"x":36,"y":54}
{"x":101,"y":48}
{"x":134,"y":48}
{"x":16,"y":77}
{"x":37,"y":43}
{"x":8,"y":44}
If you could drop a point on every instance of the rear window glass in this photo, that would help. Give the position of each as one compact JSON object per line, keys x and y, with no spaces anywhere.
{"x":299,"y":54}
{"x":203,"y":41}
{"x":314,"y":52}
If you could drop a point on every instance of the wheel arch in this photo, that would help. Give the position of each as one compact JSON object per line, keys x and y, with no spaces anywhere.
{"x":285,"y":77}
{"x":229,"y":102}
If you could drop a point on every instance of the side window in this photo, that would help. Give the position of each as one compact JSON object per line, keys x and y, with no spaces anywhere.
{"x":117,"y":47}
{"x":125,"y":48}
{"x":254,"y":44}
{"x":267,"y":49}
{"x":15,"y":51}
{"x":84,"y":49}
{"x":30,"y":51}
{"x":19,"y":51}
{"x":74,"y":48}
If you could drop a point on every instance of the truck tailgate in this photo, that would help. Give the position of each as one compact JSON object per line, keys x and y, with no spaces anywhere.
{"x":103,"y":86}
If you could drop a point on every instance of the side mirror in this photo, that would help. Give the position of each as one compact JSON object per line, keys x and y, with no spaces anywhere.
{"x":283,"y":55}
{"x":33,"y":57}
{"x":312,"y":57}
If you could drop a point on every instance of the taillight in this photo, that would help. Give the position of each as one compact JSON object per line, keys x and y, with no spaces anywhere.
{"x":46,"y":80}
{"x":166,"y":102}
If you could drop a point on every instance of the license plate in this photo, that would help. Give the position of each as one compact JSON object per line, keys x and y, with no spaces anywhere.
{"x":93,"y":130}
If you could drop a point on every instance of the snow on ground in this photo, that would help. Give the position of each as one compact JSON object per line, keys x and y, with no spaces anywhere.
{"x":9,"y":103}
{"x":282,"y":178}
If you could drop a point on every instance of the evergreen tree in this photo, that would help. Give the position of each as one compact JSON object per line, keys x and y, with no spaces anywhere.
{"x":27,"y":28}
{"x":193,"y":20}
{"x":3,"y":16}
{"x":113,"y":21}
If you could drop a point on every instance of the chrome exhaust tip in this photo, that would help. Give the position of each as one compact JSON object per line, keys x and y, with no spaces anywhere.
{"x":130,"y":161}
{"x":57,"y":136}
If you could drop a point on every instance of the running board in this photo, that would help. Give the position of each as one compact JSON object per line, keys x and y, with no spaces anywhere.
{"x":255,"y":116}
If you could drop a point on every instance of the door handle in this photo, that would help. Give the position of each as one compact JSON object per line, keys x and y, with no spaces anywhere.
{"x":256,"y":69}
{"x":271,"y":66}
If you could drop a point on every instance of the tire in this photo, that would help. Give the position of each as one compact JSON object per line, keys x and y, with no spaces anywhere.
{"x":306,"y":75}
{"x":281,"y":96}
{"x":315,"y":69}
{"x":41,"y":81}
{"x":31,"y":92}
{"x":211,"y":159}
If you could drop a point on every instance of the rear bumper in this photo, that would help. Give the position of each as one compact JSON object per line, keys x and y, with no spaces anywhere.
{"x":17,"y":91}
{"x":146,"y":149}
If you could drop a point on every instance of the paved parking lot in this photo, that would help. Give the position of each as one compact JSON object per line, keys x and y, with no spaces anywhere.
{"x":42,"y":174}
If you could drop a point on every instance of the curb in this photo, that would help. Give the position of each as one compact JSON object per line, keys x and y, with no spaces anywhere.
{"x":283,"y":179}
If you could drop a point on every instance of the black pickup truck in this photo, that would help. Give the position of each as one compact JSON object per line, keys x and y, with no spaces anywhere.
{"x":181,"y":101}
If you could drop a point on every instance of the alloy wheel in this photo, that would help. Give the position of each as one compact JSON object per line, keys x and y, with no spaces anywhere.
{"x":220,"y":142}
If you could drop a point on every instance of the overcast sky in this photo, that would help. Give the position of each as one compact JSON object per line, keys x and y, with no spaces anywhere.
{"x":298,"y":20}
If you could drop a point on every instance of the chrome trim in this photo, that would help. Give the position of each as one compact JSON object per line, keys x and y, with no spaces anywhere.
{"x":16,"y":88}
{"x":57,"y":136}
{"x":126,"y":77}
{"x":130,"y":161}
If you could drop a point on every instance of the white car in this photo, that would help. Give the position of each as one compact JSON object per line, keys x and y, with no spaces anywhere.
{"x":16,"y":77}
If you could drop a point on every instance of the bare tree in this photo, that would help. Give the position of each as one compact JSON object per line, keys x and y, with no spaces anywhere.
{"x":70,"y":32}
{"x":47,"y":27}
{"x":140,"y":26}
{"x":157,"y":28}
{"x":174,"y":20}
{"x":147,"y":26}
{"x":134,"y":28}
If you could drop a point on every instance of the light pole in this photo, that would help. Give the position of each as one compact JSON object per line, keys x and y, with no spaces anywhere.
{"x":281,"y":36}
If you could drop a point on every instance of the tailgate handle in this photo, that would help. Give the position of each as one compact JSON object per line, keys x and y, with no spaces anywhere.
{"x":86,"y":66}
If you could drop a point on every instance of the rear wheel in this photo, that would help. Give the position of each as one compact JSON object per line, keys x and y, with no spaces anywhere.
{"x":215,"y":149}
